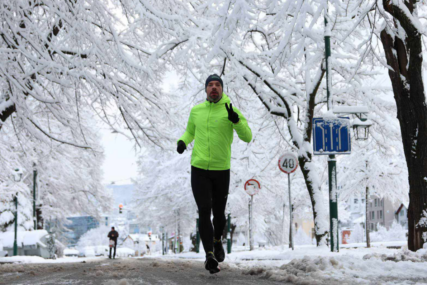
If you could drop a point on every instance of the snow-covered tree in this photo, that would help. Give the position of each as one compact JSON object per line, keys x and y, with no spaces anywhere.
{"x":68,"y":178}
{"x":397,"y":31}
{"x":95,"y":237}
{"x":57,"y":57}
{"x":271,"y":57}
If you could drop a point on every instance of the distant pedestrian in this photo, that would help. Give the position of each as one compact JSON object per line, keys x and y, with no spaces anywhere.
{"x":113,"y":235}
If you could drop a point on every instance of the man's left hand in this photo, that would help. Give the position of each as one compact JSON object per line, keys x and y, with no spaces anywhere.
{"x":232,"y":116}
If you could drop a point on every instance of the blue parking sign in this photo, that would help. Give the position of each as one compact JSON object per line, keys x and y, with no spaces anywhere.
{"x":331,"y":136}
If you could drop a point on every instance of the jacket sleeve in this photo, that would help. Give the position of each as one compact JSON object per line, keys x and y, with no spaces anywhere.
{"x":188,"y":136}
{"x":242,"y":128}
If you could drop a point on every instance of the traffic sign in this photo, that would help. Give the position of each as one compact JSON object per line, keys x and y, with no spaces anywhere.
{"x":252,"y":187}
{"x":288,"y":163}
{"x":331,"y":136}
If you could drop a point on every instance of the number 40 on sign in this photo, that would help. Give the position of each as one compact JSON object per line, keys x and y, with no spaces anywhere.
{"x":288,"y":163}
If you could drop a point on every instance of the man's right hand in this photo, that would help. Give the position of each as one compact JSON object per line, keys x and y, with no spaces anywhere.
{"x":181,"y":147}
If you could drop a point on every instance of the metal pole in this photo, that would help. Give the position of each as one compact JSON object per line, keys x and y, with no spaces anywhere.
{"x":229,"y":234}
{"x":167,"y":243}
{"x":251,"y":243}
{"x":332,"y":169}
{"x":163,"y":243}
{"x":179,"y":232}
{"x":333,"y":203}
{"x":34,"y":196}
{"x":291,"y":220}
{"x":15,"y":242}
{"x":283,"y":223}
{"x":197,"y":236}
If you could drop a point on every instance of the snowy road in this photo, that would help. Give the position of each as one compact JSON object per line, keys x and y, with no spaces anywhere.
{"x":125,"y":272}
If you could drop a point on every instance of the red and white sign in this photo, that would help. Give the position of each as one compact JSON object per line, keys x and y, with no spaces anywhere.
{"x":288,"y":163}
{"x":252,"y":187}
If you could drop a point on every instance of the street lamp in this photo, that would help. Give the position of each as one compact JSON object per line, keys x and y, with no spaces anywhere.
{"x":34,"y":194}
{"x":361,"y":128}
{"x":17,"y":177}
{"x":361,"y":123}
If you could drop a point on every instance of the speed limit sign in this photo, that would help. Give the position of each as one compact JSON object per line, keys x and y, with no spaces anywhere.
{"x":288,"y":163}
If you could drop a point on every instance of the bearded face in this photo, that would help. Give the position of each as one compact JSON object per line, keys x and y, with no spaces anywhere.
{"x":214,"y":91}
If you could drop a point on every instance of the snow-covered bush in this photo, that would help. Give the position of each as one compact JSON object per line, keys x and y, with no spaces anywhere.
{"x":357,"y":234}
{"x":301,"y":238}
{"x":395,"y":233}
{"x":94,"y":237}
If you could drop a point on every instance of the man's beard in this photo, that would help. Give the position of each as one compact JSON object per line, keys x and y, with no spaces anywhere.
{"x":210,"y":99}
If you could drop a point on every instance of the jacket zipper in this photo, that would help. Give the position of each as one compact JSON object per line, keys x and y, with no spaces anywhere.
{"x":209,"y":148}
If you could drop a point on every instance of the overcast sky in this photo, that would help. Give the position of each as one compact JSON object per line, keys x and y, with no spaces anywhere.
{"x":120,"y":159}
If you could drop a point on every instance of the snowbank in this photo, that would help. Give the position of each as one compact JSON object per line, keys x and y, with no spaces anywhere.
{"x":355,"y":264}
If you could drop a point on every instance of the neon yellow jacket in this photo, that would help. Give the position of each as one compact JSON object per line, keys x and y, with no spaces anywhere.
{"x":209,"y":126}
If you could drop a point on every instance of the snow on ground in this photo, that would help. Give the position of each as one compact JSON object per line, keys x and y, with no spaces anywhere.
{"x":354,"y":264}
{"x":38,"y":259}
{"x":317,"y":265}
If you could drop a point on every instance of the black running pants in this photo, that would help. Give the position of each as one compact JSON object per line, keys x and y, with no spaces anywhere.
{"x":210,"y":190}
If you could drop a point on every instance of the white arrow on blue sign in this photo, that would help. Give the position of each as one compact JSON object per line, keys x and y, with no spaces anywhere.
{"x":331,"y":136}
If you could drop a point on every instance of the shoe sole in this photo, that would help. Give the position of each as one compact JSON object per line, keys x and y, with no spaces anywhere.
{"x":212,"y":266}
{"x":216,"y":270}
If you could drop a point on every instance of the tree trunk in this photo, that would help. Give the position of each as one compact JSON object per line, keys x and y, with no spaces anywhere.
{"x":405,"y":61}
{"x":316,"y":196}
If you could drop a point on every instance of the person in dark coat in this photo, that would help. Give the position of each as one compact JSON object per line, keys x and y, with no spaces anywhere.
{"x":113,"y":235}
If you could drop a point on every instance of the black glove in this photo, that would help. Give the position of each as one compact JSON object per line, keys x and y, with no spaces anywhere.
{"x":232,"y":116}
{"x":181,"y":147}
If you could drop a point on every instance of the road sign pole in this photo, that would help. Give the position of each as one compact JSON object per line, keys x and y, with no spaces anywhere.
{"x":251,"y":245}
{"x":332,"y":164}
{"x":252,"y":187}
{"x":333,"y":203}
{"x":291,"y":237}
{"x":283,"y":222}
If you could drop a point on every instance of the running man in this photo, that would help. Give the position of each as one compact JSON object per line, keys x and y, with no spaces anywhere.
{"x":211,"y":125}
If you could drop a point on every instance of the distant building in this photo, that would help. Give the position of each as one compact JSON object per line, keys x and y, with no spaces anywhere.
{"x":356,"y":206}
{"x":383,"y":211}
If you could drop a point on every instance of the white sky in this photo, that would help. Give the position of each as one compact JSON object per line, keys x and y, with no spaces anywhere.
{"x":120,"y":158}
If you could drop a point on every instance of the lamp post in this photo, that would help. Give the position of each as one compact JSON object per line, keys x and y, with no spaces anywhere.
{"x":361,"y":126}
{"x":34,"y":194}
{"x":17,"y":177}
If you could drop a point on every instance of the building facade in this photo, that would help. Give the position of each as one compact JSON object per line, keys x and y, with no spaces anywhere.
{"x":382,"y":211}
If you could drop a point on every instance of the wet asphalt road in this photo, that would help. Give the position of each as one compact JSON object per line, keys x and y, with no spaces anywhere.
{"x":126,"y":272}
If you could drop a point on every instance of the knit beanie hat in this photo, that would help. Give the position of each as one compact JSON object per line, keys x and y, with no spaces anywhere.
{"x":214,"y":77}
